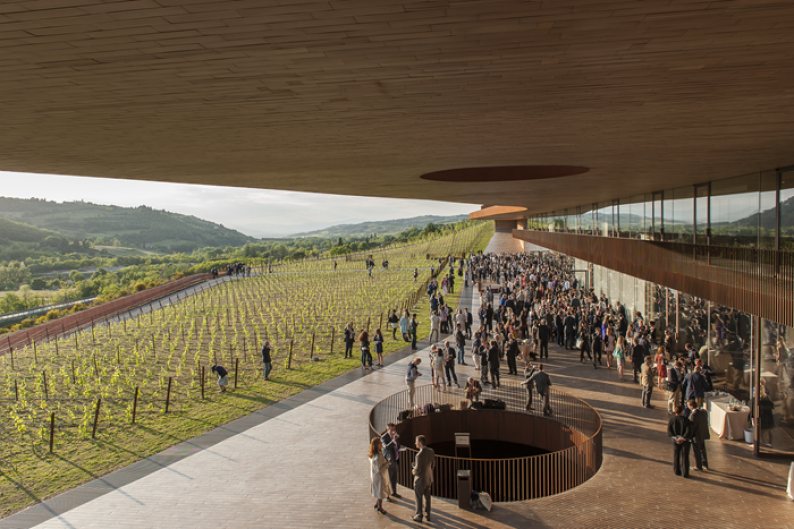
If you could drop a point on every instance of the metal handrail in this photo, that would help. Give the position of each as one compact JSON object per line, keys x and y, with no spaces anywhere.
{"x":508,"y":479}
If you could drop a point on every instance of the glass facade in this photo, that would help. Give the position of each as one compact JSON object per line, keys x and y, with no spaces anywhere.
{"x":752,"y":211}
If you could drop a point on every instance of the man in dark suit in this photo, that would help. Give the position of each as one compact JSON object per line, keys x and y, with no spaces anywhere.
{"x":679,"y":428}
{"x":695,"y":386}
{"x":699,"y":419}
{"x":544,"y":334}
{"x":391,"y":451}
{"x":542,"y":385}
{"x":493,"y":363}
{"x":423,"y":469}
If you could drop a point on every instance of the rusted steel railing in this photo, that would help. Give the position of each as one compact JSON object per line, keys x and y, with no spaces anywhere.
{"x":571,"y":435}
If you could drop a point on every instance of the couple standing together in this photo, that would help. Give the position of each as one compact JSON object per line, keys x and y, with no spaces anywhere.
{"x":384,"y":458}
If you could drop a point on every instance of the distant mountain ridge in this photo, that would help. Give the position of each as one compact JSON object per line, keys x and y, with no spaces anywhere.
{"x":384,"y":227}
{"x":136,"y":227}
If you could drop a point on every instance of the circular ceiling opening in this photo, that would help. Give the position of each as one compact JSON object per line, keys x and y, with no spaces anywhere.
{"x":504,"y":174}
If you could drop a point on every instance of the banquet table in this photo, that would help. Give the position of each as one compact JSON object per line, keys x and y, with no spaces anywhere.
{"x":727,"y":424}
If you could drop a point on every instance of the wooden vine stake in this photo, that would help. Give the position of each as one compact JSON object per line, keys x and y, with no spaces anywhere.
{"x":52,"y":432}
{"x":202,"y":382}
{"x":236,"y":368}
{"x":168,"y":395}
{"x":333,"y":331}
{"x":16,"y":390}
{"x":96,"y":417}
{"x":46,"y":388}
{"x":289,"y":361}
{"x":135,"y":405}
{"x":311,"y":355}
{"x":73,"y":374}
{"x":35,"y":352}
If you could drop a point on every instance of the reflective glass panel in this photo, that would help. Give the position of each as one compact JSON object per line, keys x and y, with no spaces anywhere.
{"x":701,"y":213}
{"x":787,"y":211}
{"x":734,"y":211}
{"x":767,"y":221}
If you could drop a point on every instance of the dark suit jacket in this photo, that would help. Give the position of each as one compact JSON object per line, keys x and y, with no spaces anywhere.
{"x":423,"y":468}
{"x":679,"y":425}
{"x":390,"y":447}
{"x":700,"y":424}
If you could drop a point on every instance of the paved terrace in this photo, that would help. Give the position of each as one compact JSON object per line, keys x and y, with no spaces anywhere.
{"x":302,"y":463}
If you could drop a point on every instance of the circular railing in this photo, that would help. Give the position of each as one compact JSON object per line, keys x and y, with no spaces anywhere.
{"x":572,"y":437}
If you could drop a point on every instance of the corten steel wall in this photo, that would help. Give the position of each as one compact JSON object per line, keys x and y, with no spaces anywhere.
{"x":574,"y":432}
{"x":757,"y":281}
{"x":95,"y":315}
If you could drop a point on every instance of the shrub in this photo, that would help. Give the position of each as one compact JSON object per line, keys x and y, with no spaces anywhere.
{"x":51,"y":315}
{"x":139,"y":287}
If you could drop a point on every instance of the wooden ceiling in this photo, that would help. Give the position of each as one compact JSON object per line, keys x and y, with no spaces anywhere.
{"x":362,"y":97}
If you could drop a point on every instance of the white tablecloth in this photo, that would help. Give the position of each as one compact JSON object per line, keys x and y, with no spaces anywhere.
{"x":725,"y":423}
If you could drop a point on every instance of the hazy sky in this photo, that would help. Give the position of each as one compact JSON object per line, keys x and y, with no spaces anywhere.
{"x":256,"y":212}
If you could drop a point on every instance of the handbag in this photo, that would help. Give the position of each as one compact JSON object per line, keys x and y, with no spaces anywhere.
{"x":579,"y":343}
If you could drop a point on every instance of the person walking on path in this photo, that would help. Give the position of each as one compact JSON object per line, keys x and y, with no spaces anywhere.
{"x":646,"y":380}
{"x":410,"y":379}
{"x":379,"y":474}
{"x":700,"y":432}
{"x":679,"y":429}
{"x":350,"y":338}
{"x":266,"y":360}
{"x":423,"y":478}
{"x":391,"y":451}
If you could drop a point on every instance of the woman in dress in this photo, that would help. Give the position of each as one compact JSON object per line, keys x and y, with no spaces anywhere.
{"x":438,"y":368}
{"x":379,"y":474}
{"x":609,"y":345}
{"x":620,"y":356}
{"x":378,"y":340}
{"x":661,"y":365}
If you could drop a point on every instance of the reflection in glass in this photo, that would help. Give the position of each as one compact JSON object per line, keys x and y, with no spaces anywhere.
{"x":657,"y":227}
{"x":679,"y":214}
{"x":767,"y":222}
{"x":787,"y":211}
{"x":777,"y":380}
{"x":701,"y":214}
{"x":734,"y":211}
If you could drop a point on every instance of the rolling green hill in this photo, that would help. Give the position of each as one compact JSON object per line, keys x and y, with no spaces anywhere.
{"x":386,"y":227}
{"x":14,"y":232}
{"x":140,"y":227}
